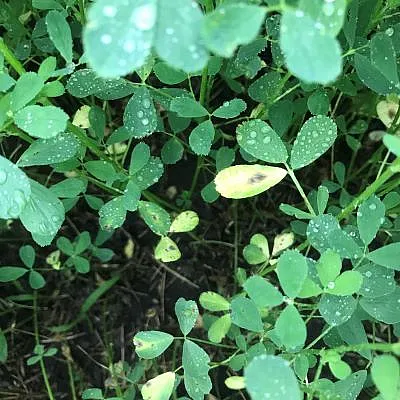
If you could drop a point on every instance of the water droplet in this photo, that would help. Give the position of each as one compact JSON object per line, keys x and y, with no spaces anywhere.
{"x":331,"y":285}
{"x":3,"y":177}
{"x":368,"y":274}
{"x":144,"y":17}
{"x":109,"y":11}
{"x":145,"y":121}
{"x":129,"y":46}
{"x":105,"y":39}
{"x":372,"y":206}
{"x":140,"y":114}
{"x":389,"y":31}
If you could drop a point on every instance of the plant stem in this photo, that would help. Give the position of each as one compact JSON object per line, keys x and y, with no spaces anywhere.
{"x":10,"y":58}
{"x":300,"y":189}
{"x":37,"y":341}
{"x":225,"y":346}
{"x":82,"y":11}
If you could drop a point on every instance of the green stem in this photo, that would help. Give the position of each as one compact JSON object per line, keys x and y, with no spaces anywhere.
{"x":10,"y":58}
{"x":37,"y":341}
{"x":383,"y":347}
{"x":71,"y":380}
{"x":225,"y":346}
{"x":82,"y":11}
{"x":300,"y":189}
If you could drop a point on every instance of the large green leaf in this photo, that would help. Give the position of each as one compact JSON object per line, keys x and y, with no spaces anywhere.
{"x":292,"y":271}
{"x":151,"y":344}
{"x":195,"y":363}
{"x":42,"y":121}
{"x":261,"y":141}
{"x":270,"y":377}
{"x":50,"y":151}
{"x":310,"y":53}
{"x":212,"y":301}
{"x":315,"y":137}
{"x":246,"y":315}
{"x":336,"y":310}
{"x":231,"y":25}
{"x":387,"y":256}
{"x":43,"y":215}
{"x":230,"y":109}
{"x":10,"y":274}
{"x":385,"y":373}
{"x":140,"y":118}
{"x":15,"y":189}
{"x":291,"y":329}
{"x":377,"y":280}
{"x":126,"y":32}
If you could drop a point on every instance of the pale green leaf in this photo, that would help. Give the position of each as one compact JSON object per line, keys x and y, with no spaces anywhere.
{"x":151,"y":344}
{"x":212,"y":301}
{"x":186,"y":221}
{"x":167,"y":250}
{"x":112,"y":214}
{"x":187,"y":107}
{"x":385,"y":373}
{"x":219,"y":329}
{"x":377,"y":280}
{"x":336,"y":310}
{"x":155,"y":217}
{"x":387,"y":256}
{"x":139,"y":157}
{"x":159,"y":388}
{"x":26,"y":89}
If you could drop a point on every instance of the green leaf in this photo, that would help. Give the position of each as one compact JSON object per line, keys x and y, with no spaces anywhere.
{"x":292,"y":271}
{"x":101,"y":170}
{"x":172,"y":151}
{"x":322,"y":199}
{"x":26,"y":89}
{"x":266,"y":88}
{"x":219,"y":329}
{"x":50,"y":151}
{"x":230,"y":109}
{"x":159,"y":388}
{"x":81,"y":264}
{"x":377,"y":280}
{"x":127,"y":31}
{"x":3,"y":347}
{"x":346,"y":284}
{"x":149,"y":174}
{"x":245,"y":314}
{"x":151,"y":344}
{"x":42,"y":121}
{"x":253,"y":254}
{"x":385,"y":373}
{"x":167,"y":250}
{"x":112,"y":214}
{"x":195,"y":363}
{"x":310,"y":54}
{"x":187,"y":107}
{"x":268,"y":376}
{"x":186,"y":221}
{"x":60,"y":34}
{"x":155,"y":217}
{"x":370,"y":216}
{"x":46,"y":5}
{"x":392,"y":143}
{"x":241,"y":181}
{"x":187,"y":312}
{"x":224,"y":158}
{"x":140,"y":118}
{"x":291,"y":329}
{"x":318,"y":103}
{"x":209,"y":193}
{"x":6,"y":82}
{"x":139,"y":158}
{"x":261,"y":141}
{"x":36,"y":280}
{"x":385,"y":308}
{"x":212,"y":301}
{"x":201,"y":138}
{"x":387,"y":256}
{"x":336,"y":310}
{"x":328,"y":267}
{"x":69,"y":188}
{"x":10,"y":274}
{"x":15,"y":189}
{"x":85,"y":82}
{"x":230,"y":26}
{"x":263,"y":293}
{"x":166,"y":74}
{"x":43,"y":215}
{"x":132,"y":194}
{"x":27,"y":255}
{"x":315,"y":137}
{"x":340,"y":369}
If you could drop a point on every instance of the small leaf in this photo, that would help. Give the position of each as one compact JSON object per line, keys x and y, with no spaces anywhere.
{"x":230,"y":109}
{"x":346,"y":284}
{"x":167,"y":250}
{"x":27,"y":255}
{"x":166,"y":74}
{"x":151,"y":344}
{"x":336,"y":310}
{"x":187,"y":107}
{"x":261,"y":141}
{"x":69,"y":188}
{"x":149,"y":174}
{"x":112,"y":214}
{"x":322,"y":199}
{"x":93,"y":393}
{"x":159,"y":388}
{"x":42,"y":122}
{"x":245,"y":314}
{"x":26,"y":89}
{"x":219,"y":329}
{"x":263,"y":293}
{"x":328,"y":267}
{"x":387,"y":256}
{"x":270,"y":376}
{"x":231,"y":25}
{"x":155,"y":217}
{"x":10,"y":274}
{"x":36,"y":280}
{"x":377,"y":280}
{"x":3,"y":347}
{"x":385,"y":373}
{"x":392,"y":143}
{"x":241,"y":181}
{"x":370,"y":217}
{"x":187,"y":312}
{"x":139,"y":158}
{"x":292,"y":271}
{"x":340,"y":369}
{"x":214,"y":302}
{"x":186,"y":221}
{"x":43,"y":215}
{"x":315,"y":137}
{"x":140,"y":118}
{"x":291,"y":329}
{"x":201,"y":138}
{"x":172,"y":151}
{"x":60,"y":34}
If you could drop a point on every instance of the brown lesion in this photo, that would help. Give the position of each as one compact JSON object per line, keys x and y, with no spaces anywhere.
{"x":256,"y":178}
